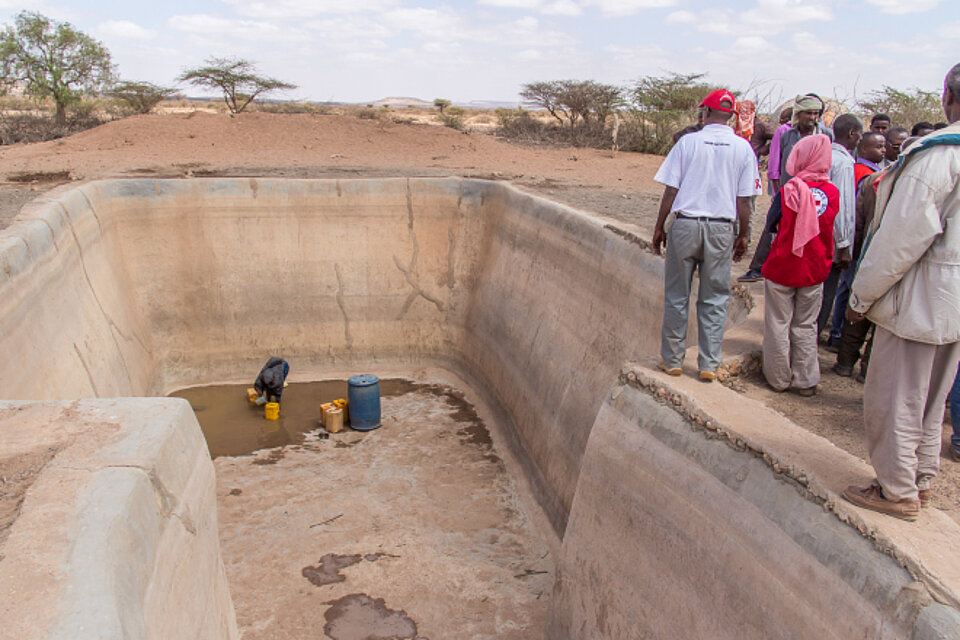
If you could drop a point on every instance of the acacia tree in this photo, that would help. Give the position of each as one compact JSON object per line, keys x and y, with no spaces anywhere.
{"x":574,"y":101}
{"x":441,"y":103}
{"x":236,"y":78}
{"x":141,"y":97}
{"x":547,"y":95}
{"x":52,"y":59}
{"x":662,"y":104}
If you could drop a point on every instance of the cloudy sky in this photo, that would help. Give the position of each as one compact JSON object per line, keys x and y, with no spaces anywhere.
{"x":363,"y":50}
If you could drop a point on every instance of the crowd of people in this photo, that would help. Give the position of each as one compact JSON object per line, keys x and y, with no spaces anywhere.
{"x":860,"y":250}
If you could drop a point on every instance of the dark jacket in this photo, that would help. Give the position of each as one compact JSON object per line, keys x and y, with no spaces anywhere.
{"x":270,"y":380}
{"x":866,"y":203}
{"x":788,"y":141}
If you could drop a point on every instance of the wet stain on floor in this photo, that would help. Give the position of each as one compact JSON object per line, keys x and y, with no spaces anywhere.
{"x":463,"y":411}
{"x":359,"y":617}
{"x":328,"y":571}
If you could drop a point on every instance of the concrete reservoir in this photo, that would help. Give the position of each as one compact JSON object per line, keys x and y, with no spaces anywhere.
{"x":116,"y":293}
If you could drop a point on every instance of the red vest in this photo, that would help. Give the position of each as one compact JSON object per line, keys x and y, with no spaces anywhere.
{"x":785,"y":268}
{"x":861,"y":171}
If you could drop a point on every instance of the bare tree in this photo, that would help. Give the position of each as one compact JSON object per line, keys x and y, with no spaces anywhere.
{"x":236,"y":78}
{"x":52,"y":60}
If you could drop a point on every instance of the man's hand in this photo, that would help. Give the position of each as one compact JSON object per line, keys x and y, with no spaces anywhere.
{"x":776,"y":185}
{"x":843,"y":258}
{"x":853,"y":317}
{"x":659,"y":240}
{"x":740,"y":247}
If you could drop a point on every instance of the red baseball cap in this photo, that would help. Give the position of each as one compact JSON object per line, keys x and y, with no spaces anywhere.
{"x":716,"y":97}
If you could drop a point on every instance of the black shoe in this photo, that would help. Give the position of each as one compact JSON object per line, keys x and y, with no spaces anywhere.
{"x":842,"y":370}
{"x":861,"y":377}
{"x":752,"y":275}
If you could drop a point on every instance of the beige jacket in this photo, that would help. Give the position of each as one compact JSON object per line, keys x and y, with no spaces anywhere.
{"x":908,"y":281}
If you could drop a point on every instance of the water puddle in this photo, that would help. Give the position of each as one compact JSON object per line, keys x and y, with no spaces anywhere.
{"x":234,"y":427}
{"x":359,"y":617}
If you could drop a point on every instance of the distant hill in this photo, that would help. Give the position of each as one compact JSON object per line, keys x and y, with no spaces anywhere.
{"x":485,"y":105}
{"x":402,"y":102}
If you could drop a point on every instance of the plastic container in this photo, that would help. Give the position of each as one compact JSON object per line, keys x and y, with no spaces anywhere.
{"x":363,"y":397}
{"x":343,"y":404}
{"x":271,"y":411}
{"x":252,"y":395}
{"x":326,"y":406}
{"x":334,"y":420}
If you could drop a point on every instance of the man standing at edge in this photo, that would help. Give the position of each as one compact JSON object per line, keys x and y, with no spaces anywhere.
{"x":908,"y":284}
{"x":709,"y":179}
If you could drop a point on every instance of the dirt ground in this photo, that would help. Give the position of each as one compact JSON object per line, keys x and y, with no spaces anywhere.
{"x":323,"y":146}
{"x":616,"y":186}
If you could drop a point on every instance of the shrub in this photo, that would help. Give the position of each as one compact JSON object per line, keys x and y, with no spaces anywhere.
{"x":453,"y":118}
{"x":139,"y":97}
{"x":295,"y":107}
{"x":368,"y":114}
{"x":22,"y":128}
{"x":905,"y":108}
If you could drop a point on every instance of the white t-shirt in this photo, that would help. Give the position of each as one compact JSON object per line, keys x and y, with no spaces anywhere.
{"x":710,"y":169}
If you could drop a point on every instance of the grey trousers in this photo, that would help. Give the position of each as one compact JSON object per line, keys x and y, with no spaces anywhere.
{"x":705,"y":246}
{"x":903,"y":404}
{"x":790,"y":335}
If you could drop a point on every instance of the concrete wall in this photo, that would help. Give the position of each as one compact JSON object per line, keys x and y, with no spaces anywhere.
{"x":144,"y":286}
{"x":117,"y":537}
{"x":677,"y":535}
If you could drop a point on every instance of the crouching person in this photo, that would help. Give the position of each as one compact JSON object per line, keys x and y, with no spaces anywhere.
{"x":271,"y":381}
{"x":800,"y":259}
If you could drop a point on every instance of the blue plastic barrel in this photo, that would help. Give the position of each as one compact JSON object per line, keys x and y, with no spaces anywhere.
{"x":363,"y":394}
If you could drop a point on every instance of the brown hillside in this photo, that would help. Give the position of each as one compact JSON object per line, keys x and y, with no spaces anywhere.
{"x":308,"y":145}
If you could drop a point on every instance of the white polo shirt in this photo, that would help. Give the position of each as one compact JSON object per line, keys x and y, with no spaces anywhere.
{"x":710,"y":169}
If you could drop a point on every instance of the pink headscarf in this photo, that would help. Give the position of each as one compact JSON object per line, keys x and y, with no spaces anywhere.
{"x":809,"y":160}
